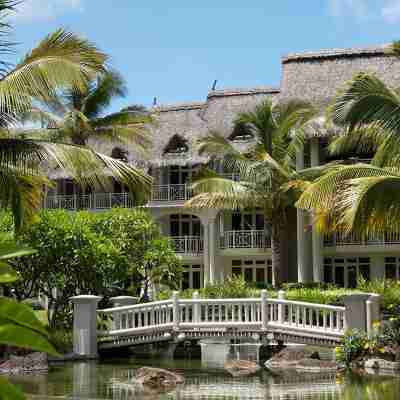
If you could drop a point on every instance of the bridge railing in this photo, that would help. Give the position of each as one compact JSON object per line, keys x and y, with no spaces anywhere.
{"x":306,"y":316}
{"x":160,"y":320}
{"x":137,"y":318}
{"x":261,"y":313}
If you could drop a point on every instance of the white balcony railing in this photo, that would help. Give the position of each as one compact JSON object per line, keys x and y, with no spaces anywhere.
{"x":342,"y":239}
{"x":96,"y":201}
{"x":188,"y":244}
{"x":253,"y":239}
{"x":171,"y":192}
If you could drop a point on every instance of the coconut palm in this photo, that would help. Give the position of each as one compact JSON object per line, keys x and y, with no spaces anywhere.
{"x":62,"y":60}
{"x":78,"y":116}
{"x":263,"y":169}
{"x":363,"y":198}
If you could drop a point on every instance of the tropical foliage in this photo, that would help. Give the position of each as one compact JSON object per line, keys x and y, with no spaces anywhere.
{"x":78,"y":116}
{"x":263,"y":169}
{"x":363,"y":197}
{"x":18,"y":323}
{"x":61,"y":61}
{"x":104,"y":253}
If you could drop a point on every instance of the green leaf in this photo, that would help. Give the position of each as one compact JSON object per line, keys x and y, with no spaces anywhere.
{"x":16,"y":335}
{"x":10,"y":250}
{"x":7,"y":274}
{"x":9,"y":391}
{"x":20,"y":315}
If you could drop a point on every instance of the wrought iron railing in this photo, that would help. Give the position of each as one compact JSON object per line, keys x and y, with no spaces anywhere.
{"x":249,"y":239}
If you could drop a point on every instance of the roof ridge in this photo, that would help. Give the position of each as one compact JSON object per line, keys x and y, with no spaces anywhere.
{"x":336,"y":53}
{"x":243,"y":91}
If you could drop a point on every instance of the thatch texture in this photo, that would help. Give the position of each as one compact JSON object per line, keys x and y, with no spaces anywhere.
{"x":316,"y":76}
{"x":312,"y":76}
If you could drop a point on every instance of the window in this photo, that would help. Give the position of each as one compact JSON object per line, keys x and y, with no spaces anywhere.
{"x":392,"y":268}
{"x":179,"y":175}
{"x":241,"y":133}
{"x":247,"y":221}
{"x":184,"y":225}
{"x":119,"y":154}
{"x":255,"y":271}
{"x":177,"y":145}
{"x":345,"y":271}
{"x":192,"y":276}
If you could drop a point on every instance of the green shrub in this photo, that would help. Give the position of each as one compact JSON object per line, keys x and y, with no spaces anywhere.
{"x":354,"y":346}
{"x":388,"y":290}
{"x":234,"y":288}
{"x":61,"y":339}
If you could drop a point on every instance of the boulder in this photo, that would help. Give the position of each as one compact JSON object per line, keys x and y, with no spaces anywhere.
{"x":299,"y":360}
{"x":241,"y":367}
{"x":382,"y":364}
{"x":34,"y":362}
{"x":158,"y":379}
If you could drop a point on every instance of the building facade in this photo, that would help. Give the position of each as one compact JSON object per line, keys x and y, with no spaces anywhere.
{"x":215,"y":244}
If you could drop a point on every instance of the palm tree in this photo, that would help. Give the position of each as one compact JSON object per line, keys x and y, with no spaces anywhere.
{"x":362,"y":198}
{"x":77,"y":116}
{"x":264,"y":168}
{"x":62,"y":60}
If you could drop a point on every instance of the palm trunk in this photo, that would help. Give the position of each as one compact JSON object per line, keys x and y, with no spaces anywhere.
{"x":276,"y":254}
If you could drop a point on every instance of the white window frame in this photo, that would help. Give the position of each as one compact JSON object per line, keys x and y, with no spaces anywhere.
{"x":266,"y":265}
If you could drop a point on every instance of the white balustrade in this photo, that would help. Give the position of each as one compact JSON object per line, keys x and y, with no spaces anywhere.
{"x":263,"y":314}
{"x":249,"y":239}
{"x":137,"y":318}
{"x":188,"y":244}
{"x":310,"y":317}
{"x":171,"y":192}
{"x":343,"y":239}
{"x":96,"y":201}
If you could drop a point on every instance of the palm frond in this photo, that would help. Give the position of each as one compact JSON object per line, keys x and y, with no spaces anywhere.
{"x":109,"y":85}
{"x":61,"y":59}
{"x":367,"y":100}
{"x":370,"y":205}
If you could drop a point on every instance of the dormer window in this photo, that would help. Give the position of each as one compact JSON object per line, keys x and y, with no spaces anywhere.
{"x":177,"y":145}
{"x":241,"y":133}
{"x":119,"y":154}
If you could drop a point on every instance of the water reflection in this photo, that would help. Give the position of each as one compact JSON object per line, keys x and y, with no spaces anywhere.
{"x":114,"y":381}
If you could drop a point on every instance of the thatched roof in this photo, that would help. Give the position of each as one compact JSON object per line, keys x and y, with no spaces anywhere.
{"x":316,"y":76}
{"x":191,"y":121}
{"x":312,"y":76}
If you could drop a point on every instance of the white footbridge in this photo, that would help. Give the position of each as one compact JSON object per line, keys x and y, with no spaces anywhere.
{"x":259,"y":319}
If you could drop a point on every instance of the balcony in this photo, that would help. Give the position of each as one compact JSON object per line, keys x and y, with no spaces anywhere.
{"x":341,"y":239}
{"x":193,"y":245}
{"x":94,"y":201}
{"x":253,"y":239}
{"x":162,"y":193}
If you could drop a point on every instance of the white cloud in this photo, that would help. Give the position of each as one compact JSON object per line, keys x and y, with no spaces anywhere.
{"x":40,"y":10}
{"x":357,"y":8}
{"x":391,"y":11}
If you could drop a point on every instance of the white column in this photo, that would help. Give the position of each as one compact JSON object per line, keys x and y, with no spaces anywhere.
{"x":85,"y":325}
{"x":212,"y":250}
{"x":206,"y":258}
{"x":301,"y":245}
{"x":317,"y":239}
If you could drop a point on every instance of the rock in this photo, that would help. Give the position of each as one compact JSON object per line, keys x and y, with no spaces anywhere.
{"x":241,"y":367}
{"x":380,"y":363}
{"x":34,"y":362}
{"x":299,"y":360}
{"x":158,"y":379}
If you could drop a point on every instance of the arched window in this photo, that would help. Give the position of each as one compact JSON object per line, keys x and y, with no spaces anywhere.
{"x":177,"y":145}
{"x":241,"y":133}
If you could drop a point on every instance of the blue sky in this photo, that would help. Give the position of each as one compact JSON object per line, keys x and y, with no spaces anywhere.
{"x":174,"y":49}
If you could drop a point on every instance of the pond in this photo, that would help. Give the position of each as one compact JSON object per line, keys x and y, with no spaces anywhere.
{"x":111,"y":379}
